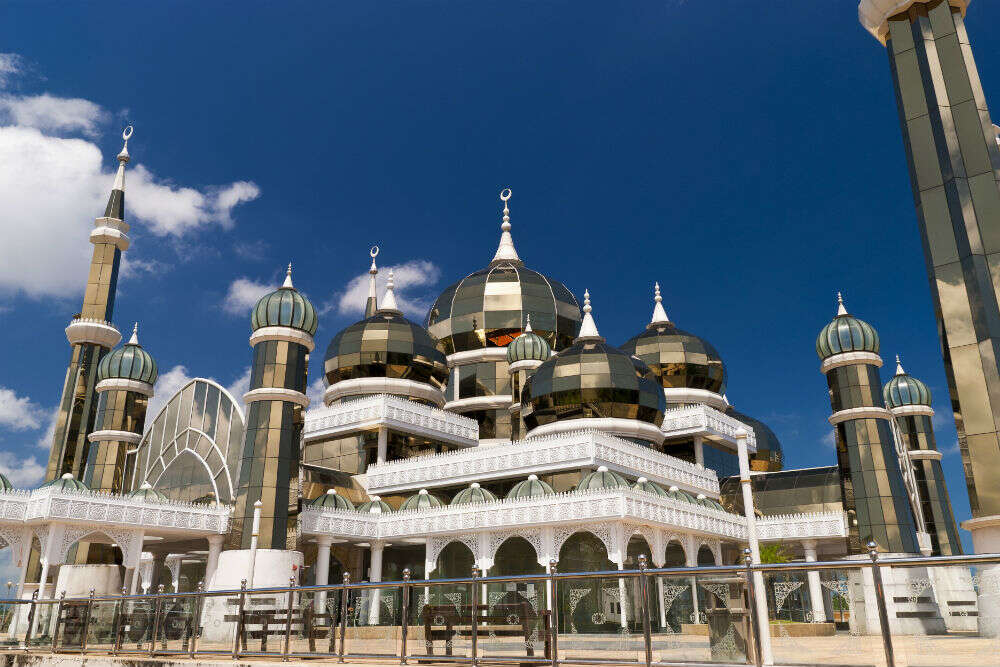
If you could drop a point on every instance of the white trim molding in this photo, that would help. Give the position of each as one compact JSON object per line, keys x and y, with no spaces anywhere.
{"x":363,"y":387}
{"x":538,"y":455}
{"x":524,"y":365}
{"x":706,"y":422}
{"x":122,"y":384}
{"x":850,"y":359}
{"x":924,"y":455}
{"x":864,"y":412}
{"x":97,"y":332}
{"x":112,"y":236}
{"x":913,"y":410}
{"x":623,"y":428}
{"x":495,"y":402}
{"x":119,"y":436}
{"x":287,"y":334}
{"x":476,"y":356}
{"x":874,"y":14}
{"x":809,"y":526}
{"x":394,"y":412}
{"x":276,"y":394}
{"x":688,"y":395}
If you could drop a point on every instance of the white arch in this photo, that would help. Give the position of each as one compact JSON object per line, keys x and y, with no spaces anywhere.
{"x":215,"y":487}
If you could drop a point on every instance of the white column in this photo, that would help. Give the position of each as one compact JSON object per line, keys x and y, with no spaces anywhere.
{"x":212,"y":564}
{"x":322,"y":570}
{"x":622,"y":599}
{"x":174,"y":566}
{"x":375,"y":574}
{"x":41,"y":580}
{"x":758,"y":578}
{"x":699,"y":450}
{"x":815,"y":589}
{"x":659,"y":603}
{"x":691,"y":556}
{"x":254,"y":535}
{"x":383,"y":443}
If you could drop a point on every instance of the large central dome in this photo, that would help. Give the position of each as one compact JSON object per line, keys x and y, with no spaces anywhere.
{"x":489,"y":307}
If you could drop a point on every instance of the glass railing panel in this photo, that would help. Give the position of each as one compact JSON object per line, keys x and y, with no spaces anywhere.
{"x":822,"y":617}
{"x":698,"y":618}
{"x":600,"y":619}
{"x":943,"y":615}
{"x":71,"y":617}
{"x":440,"y":621}
{"x":514,"y":620}
{"x":316,"y":622}
{"x":136,"y":631}
{"x":264,"y":620}
{"x":43,"y":623}
{"x":373,"y":618}
{"x":176,"y":623}
{"x":101,"y":625}
{"x":217,"y":622}
{"x":13,"y":623}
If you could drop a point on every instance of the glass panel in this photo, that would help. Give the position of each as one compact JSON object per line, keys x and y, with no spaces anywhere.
{"x":317,"y":626}
{"x":13,"y":623}
{"x":176,"y":623}
{"x":136,"y":624}
{"x":514,"y":620}
{"x":373,"y":621}
{"x":218,"y":623}
{"x":440,"y":621}
{"x":101,"y":626}
{"x":264,"y":623}
{"x":598,"y":619}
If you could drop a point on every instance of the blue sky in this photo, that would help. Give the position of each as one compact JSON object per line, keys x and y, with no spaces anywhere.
{"x":749,"y":159}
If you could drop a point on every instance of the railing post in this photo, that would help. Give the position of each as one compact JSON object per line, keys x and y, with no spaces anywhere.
{"x":239,"y":619}
{"x":31,"y":621}
{"x":554,"y":613}
{"x":404,"y":615}
{"x":758,"y":657}
{"x":55,"y":632}
{"x":474,"y":618}
{"x":199,"y":601}
{"x":86,"y":620}
{"x":647,"y":635}
{"x":288,"y":619}
{"x":883,"y":612}
{"x":344,"y":595}
{"x":117,"y":624}
{"x":157,"y":612}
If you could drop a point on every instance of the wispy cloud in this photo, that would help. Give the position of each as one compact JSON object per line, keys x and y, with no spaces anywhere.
{"x":830,"y":439}
{"x":53,"y":114}
{"x":243,"y":294}
{"x":315,"y":392}
{"x":169,"y":383}
{"x":19,"y":413}
{"x":10,"y":65}
{"x":23,"y":473}
{"x":412,"y":280}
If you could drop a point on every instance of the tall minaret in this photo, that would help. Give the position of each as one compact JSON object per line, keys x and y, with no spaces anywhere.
{"x":871,"y":480}
{"x":954,"y":166}
{"x":909,"y":399}
{"x":283,"y":323}
{"x":91,"y":333}
{"x":371,"y":306}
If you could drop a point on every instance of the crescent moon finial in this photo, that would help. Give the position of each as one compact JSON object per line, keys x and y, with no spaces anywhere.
{"x":127,"y":133}
{"x":374,"y":251}
{"x":505,"y":194}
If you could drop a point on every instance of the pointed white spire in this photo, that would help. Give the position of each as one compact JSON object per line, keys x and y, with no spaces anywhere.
{"x":372,"y":304}
{"x":899,"y":367}
{"x":659,"y":315}
{"x":134,"y":340}
{"x":389,"y":299}
{"x":841,"y":308}
{"x":288,"y":277}
{"x":123,"y":158}
{"x":527,"y":323}
{"x":506,"y":252}
{"x":588,"y":330}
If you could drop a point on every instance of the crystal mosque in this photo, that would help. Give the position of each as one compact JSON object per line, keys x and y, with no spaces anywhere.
{"x":500,"y":430}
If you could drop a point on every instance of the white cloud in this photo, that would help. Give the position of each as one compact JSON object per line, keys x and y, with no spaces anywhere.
{"x":45,"y":440}
{"x":134,"y":267}
{"x":240,"y":385}
{"x":951,"y":449}
{"x":243,"y":295}
{"x":23,"y":473}
{"x":411,"y":282}
{"x":315,"y":392}
{"x":53,"y":114}
{"x":10,"y":64}
{"x":830,"y":439}
{"x":19,"y":412}
{"x":57,"y":186}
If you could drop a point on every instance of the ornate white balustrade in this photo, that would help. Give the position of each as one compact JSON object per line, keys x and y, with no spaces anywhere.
{"x":394,"y":412}
{"x":580,"y":449}
{"x":560,"y":509}
{"x":705,"y":421}
{"x":810,"y":526}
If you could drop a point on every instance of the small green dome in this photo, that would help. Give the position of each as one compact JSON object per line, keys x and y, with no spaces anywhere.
{"x":846,"y":333}
{"x":422,"y":500}
{"x":66,"y":483}
{"x":333,"y":500}
{"x":643,"y":484}
{"x":683,"y":496}
{"x":148,"y":494}
{"x":530,"y":488}
{"x":602,"y":478}
{"x":473,"y":494}
{"x":5,"y":484}
{"x":904,"y":389}
{"x":375,"y":506}
{"x":528,"y":346}
{"x":129,"y":362}
{"x":284,"y":307}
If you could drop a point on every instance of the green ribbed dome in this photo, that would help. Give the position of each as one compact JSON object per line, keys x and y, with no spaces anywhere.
{"x":473,"y":494}
{"x":375,"y":506}
{"x":129,"y":362}
{"x":147,"y":493}
{"x":846,"y":333}
{"x":528,"y":346}
{"x":333,"y":500}
{"x":643,"y":484}
{"x":66,"y":483}
{"x":530,"y":488}
{"x":422,"y":500}
{"x":602,"y":478}
{"x":904,"y":389}
{"x":5,"y":484}
{"x":284,"y":307}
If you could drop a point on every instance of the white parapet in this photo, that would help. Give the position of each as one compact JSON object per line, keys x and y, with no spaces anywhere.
{"x":874,"y":14}
{"x":707,"y":422}
{"x":97,"y":332}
